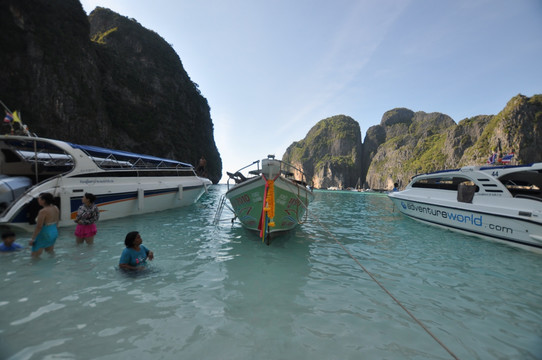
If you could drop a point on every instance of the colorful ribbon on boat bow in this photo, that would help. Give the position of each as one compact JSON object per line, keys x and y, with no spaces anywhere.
{"x":268,"y":211}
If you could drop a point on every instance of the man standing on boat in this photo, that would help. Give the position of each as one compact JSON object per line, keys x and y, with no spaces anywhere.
{"x":200,"y":170}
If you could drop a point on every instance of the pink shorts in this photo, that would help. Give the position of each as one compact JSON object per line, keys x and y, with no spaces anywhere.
{"x":85,"y":231}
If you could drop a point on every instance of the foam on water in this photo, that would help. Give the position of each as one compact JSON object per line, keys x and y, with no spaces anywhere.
{"x":218,"y":292}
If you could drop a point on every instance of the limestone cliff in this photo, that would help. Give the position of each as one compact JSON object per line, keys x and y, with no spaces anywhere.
{"x":406,"y":143}
{"x":407,"y":137}
{"x":410,"y":143}
{"x":101,"y":80}
{"x":330,"y":154}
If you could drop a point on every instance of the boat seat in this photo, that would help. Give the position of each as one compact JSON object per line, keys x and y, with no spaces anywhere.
{"x":465,"y":193}
{"x":237,"y":177}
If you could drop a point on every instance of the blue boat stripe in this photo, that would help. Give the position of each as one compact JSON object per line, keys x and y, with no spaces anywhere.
{"x":103,"y":199}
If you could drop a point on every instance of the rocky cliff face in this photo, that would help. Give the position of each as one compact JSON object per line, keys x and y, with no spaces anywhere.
{"x":330,"y":154}
{"x":406,"y":143}
{"x":102,"y":80}
{"x":431,"y":142}
{"x":408,"y":134}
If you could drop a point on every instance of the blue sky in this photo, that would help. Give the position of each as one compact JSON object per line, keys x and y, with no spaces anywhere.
{"x":272,"y":69}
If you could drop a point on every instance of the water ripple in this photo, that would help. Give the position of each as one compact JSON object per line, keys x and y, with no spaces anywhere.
{"x":218,"y":292}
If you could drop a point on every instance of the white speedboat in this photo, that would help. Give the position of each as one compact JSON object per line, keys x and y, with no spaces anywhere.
{"x":502,"y":203}
{"x":269,"y":199}
{"x":124,"y":183}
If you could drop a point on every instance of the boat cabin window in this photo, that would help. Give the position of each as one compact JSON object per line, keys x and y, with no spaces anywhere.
{"x":524,"y":184}
{"x":35,"y":160}
{"x":10,"y":156}
{"x":443,"y":183}
{"x":109,"y":159}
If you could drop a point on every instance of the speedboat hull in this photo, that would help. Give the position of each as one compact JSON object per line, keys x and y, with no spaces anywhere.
{"x":513,"y":230}
{"x":497,"y":209}
{"x":119,"y":198}
{"x":124,"y":184}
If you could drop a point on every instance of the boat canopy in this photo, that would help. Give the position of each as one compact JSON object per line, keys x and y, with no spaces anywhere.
{"x":133,"y":158}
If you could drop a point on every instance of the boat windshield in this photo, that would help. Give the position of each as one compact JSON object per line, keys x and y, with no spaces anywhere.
{"x":443,"y":182}
{"x":524,"y":184}
{"x":34,"y":159}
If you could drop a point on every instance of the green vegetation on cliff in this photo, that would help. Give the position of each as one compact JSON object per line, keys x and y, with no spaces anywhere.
{"x":149,"y":95}
{"x":332,"y":148}
{"x":433,"y":143}
{"x":343,"y":161}
{"x":406,"y":143}
{"x":101,"y":80}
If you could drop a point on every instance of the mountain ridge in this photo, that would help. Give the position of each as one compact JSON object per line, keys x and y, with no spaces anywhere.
{"x":406,"y":143}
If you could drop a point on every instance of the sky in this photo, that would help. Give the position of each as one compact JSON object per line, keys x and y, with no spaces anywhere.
{"x":271,"y":69}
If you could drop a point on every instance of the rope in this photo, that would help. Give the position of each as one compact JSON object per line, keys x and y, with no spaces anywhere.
{"x":383,"y":288}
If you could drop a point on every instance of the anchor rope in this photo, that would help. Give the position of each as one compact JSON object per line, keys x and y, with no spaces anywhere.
{"x":382,"y":286}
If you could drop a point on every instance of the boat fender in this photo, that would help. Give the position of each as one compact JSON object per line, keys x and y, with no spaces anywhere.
{"x":180,"y":192}
{"x":140,"y":199}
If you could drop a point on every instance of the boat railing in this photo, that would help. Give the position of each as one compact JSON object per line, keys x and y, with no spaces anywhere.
{"x":111,"y":162}
{"x":117,"y":159}
{"x":239,"y":177}
{"x":46,"y":158}
{"x":36,"y":165}
{"x":287,"y":170}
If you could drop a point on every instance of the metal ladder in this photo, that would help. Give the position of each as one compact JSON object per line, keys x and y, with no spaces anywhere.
{"x":218,"y":214}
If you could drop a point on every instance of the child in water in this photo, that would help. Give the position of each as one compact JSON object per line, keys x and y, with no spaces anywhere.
{"x":8,"y":242}
{"x":135,"y":255}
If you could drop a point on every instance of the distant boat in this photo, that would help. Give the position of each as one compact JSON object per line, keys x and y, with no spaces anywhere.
{"x":502,"y":203}
{"x":269,"y":199}
{"x":124,"y":183}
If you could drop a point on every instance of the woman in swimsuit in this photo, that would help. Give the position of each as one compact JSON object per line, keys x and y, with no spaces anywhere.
{"x":86,"y":218}
{"x":135,"y":255}
{"x":46,"y":231}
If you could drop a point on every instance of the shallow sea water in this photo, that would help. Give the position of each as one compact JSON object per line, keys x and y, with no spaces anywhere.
{"x":217,"y":292}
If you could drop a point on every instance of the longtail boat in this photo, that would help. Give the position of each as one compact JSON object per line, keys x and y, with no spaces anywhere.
{"x":270,"y":199}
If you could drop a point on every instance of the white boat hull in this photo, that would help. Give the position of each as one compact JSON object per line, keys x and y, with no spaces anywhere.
{"x":124,"y":184}
{"x":513,"y":230}
{"x":499,"y":203}
{"x":114,"y":198}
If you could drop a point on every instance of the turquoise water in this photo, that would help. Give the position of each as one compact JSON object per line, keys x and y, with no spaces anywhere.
{"x":219,"y":293}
